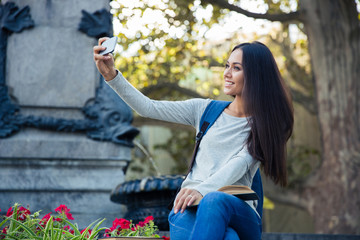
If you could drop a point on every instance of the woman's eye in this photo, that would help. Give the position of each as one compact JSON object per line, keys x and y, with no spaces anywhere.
{"x":226,"y":65}
{"x":237,"y":68}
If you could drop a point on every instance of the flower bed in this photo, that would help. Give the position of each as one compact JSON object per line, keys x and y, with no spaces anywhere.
{"x":19,"y":223}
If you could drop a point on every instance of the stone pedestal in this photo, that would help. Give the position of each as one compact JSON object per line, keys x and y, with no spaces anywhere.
{"x":43,"y":170}
{"x":51,"y":65}
{"x":53,"y":81}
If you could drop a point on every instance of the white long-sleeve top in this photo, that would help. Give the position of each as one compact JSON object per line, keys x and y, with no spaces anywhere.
{"x":222,"y":158}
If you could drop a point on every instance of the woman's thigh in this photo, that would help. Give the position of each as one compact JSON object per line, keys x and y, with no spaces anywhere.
{"x":218,"y":211}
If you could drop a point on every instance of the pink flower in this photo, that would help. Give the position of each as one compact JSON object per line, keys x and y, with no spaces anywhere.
{"x":64,"y":209}
{"x":148,"y":219}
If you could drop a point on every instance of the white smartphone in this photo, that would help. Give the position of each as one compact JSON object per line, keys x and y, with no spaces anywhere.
{"x":109,"y":44}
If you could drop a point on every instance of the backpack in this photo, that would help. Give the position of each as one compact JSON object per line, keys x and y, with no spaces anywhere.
{"x":211,"y":113}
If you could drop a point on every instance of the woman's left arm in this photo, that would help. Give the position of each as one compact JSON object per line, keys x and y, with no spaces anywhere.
{"x":227,"y":174}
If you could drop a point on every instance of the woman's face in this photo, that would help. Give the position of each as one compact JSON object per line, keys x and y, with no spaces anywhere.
{"x":233,"y":74}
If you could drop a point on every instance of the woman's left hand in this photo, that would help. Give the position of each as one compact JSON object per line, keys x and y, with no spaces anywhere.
{"x":186,"y":197}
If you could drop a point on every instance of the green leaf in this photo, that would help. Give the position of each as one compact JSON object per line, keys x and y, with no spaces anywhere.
{"x":76,"y":230}
{"x":3,"y":222}
{"x":28,"y":230}
{"x":95,"y":230}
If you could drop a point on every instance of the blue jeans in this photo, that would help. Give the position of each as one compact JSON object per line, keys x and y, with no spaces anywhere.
{"x":219,"y":216}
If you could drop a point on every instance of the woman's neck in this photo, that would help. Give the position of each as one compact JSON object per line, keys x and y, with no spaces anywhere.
{"x":236,"y":108}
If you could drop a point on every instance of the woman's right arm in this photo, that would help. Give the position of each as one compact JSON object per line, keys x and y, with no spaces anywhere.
{"x":185,"y":112}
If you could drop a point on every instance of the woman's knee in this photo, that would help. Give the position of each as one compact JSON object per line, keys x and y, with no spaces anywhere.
{"x":215,"y":198}
{"x":181,"y":224}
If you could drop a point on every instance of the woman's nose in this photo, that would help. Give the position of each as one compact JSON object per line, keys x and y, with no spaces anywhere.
{"x":227,"y":72}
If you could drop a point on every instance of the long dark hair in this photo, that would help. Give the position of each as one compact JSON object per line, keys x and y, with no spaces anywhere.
{"x":268,"y":102}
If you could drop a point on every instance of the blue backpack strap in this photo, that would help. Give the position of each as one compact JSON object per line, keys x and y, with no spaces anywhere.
{"x":212,"y":112}
{"x":258,"y":188}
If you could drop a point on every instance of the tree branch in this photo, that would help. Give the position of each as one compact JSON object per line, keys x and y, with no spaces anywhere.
{"x":297,"y":72}
{"x":284,"y":17}
{"x":307,"y":102}
{"x":284,"y":196}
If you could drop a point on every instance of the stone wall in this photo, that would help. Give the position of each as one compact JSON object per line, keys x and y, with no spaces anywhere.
{"x":50,"y":74}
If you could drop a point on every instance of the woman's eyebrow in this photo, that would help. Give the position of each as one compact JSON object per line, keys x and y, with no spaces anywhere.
{"x":234,"y":63}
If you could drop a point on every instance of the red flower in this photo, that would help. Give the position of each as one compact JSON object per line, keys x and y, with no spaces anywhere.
{"x":64,"y":209}
{"x":141,"y":224}
{"x":165,"y":238}
{"x":123,"y":223}
{"x":67,"y":228}
{"x":88,"y":234}
{"x":9,"y":212}
{"x":3,"y":233}
{"x":44,"y":220}
{"x":148,"y":219}
{"x":69,"y":216}
{"x":22,"y":213}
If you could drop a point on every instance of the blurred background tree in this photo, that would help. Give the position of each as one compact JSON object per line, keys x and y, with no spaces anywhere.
{"x":165,"y":53}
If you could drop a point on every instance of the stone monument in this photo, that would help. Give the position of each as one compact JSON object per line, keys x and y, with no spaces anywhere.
{"x":65,"y":136}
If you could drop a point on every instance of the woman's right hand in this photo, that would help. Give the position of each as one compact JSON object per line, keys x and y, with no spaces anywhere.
{"x":186,"y":197}
{"x":104,"y":63}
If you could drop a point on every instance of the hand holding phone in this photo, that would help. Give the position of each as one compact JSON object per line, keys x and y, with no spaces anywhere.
{"x":109,"y":44}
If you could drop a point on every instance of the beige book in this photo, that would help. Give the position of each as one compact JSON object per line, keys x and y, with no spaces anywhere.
{"x":243,"y":192}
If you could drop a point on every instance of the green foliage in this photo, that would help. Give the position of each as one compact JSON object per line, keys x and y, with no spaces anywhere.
{"x":125,"y":228}
{"x":166,"y":50}
{"x":20,"y":224}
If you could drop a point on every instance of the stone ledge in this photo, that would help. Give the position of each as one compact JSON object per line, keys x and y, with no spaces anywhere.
{"x":297,"y":236}
{"x":303,"y":236}
{"x":37,"y":144}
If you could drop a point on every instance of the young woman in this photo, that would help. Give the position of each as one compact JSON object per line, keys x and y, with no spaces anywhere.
{"x":252,"y":131}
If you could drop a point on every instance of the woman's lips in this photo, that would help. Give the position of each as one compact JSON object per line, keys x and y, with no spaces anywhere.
{"x":229,"y":83}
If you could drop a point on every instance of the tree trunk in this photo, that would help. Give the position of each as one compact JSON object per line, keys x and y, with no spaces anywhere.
{"x":333,"y":31}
